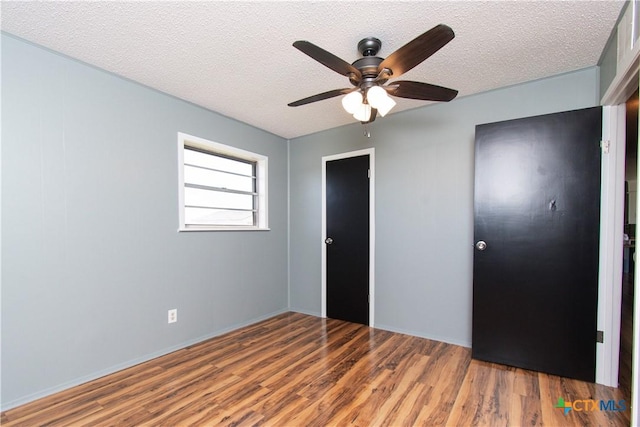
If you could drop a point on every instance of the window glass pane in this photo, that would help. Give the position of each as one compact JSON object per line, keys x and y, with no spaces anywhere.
{"x":221,"y":186}
{"x":193,"y":175}
{"x":217,"y":199}
{"x":220,"y":163}
{"x":196,"y":216}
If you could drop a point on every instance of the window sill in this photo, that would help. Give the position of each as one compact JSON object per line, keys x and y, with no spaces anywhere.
{"x":222,"y":228}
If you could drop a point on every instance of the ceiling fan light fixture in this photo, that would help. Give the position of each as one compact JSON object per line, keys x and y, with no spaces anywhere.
{"x":352,"y":101}
{"x":380,"y":100}
{"x":363,"y":113}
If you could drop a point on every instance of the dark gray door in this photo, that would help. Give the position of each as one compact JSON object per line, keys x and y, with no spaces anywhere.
{"x":537,"y":215}
{"x":347,"y":219}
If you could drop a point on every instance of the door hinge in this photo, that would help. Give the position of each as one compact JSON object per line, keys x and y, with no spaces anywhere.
{"x":368,"y":173}
{"x":600,"y":336}
{"x":606,"y":146}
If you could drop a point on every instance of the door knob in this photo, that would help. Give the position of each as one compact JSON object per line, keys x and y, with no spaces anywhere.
{"x":481,"y":245}
{"x":328,"y":240}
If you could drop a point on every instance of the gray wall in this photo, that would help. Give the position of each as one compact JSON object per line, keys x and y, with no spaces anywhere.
{"x":91,"y":256}
{"x":608,"y":63}
{"x":424,"y":203}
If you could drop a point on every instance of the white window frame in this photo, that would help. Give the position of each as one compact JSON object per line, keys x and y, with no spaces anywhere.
{"x":185,"y":140}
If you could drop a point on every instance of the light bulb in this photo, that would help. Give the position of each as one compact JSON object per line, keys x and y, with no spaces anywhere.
{"x":378,"y":98}
{"x":352,"y":102}
{"x":376,"y":95}
{"x":363,"y":113}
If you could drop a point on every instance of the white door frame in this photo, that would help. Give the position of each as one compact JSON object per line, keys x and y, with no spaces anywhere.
{"x":611,"y":243}
{"x":621,"y":88}
{"x":323,"y":282}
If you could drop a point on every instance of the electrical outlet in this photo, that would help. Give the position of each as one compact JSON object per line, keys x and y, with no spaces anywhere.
{"x":173,"y":315}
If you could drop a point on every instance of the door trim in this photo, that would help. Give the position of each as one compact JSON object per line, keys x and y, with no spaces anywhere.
{"x":323,"y":282}
{"x":621,"y":88}
{"x":611,"y":244}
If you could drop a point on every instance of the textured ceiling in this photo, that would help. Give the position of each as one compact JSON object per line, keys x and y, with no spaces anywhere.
{"x":236,"y":58}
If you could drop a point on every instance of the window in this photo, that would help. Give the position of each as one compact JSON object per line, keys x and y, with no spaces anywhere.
{"x":221,"y":187}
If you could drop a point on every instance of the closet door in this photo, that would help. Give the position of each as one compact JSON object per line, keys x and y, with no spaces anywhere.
{"x":537,"y":215}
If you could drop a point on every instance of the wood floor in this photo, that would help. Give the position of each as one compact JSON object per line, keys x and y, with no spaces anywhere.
{"x":299,"y":370}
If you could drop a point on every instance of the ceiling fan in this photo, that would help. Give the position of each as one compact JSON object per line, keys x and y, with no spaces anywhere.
{"x":369,"y":96}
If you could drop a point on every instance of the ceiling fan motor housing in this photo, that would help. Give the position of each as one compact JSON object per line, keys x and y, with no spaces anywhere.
{"x":368,"y":67}
{"x":368,"y":64}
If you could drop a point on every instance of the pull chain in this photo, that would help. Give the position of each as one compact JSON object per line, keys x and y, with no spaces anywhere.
{"x":366,"y":131}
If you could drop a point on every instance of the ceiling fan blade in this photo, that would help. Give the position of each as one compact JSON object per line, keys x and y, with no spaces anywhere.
{"x":419,"y":90}
{"x":417,"y":50}
{"x":328,"y":59}
{"x":321,"y":96}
